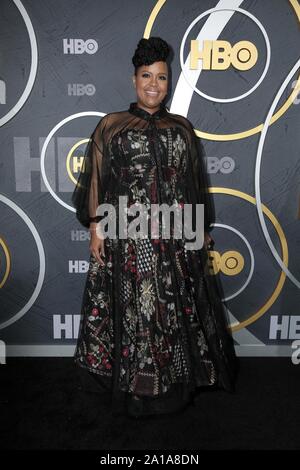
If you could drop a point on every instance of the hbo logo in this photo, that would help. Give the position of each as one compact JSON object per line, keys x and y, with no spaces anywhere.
{"x":229,"y":263}
{"x":218,"y":55}
{"x":79,"y":46}
{"x":223,"y":165}
{"x":78,"y":89}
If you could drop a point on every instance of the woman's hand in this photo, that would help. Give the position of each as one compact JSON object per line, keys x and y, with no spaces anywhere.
{"x":207,"y":240}
{"x":97,"y":248}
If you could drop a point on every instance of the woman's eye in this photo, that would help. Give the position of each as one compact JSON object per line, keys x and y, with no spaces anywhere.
{"x":145,"y":74}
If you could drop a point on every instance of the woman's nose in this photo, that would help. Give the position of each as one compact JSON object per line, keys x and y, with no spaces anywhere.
{"x":153,"y":81}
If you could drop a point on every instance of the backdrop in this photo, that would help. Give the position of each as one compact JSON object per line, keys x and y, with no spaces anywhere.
{"x":66,"y":63}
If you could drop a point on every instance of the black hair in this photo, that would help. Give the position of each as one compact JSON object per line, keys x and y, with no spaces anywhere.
{"x":149,"y":51}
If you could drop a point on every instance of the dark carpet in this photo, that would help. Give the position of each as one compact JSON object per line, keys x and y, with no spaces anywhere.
{"x":43,"y":407}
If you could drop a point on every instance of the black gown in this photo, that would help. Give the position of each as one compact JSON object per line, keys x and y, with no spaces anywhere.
{"x":153,"y":324}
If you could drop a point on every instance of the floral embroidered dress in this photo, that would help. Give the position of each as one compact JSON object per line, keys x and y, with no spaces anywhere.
{"x":153,"y":324}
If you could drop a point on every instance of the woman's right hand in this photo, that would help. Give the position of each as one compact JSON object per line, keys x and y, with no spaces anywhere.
{"x":97,"y":247}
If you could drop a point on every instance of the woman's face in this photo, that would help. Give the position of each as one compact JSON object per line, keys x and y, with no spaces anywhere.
{"x":151,"y":84}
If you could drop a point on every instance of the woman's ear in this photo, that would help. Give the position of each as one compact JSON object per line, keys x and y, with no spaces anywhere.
{"x":133,"y":80}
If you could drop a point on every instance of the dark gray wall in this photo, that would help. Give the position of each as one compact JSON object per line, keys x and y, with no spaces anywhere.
{"x":44,"y":251}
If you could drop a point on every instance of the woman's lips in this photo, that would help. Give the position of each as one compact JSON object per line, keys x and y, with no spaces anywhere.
{"x":152,"y":93}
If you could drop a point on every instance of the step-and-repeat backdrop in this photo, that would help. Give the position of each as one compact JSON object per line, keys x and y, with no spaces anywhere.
{"x":235,"y":75}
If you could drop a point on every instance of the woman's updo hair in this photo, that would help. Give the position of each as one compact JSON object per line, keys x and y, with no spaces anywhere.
{"x":149,"y":51}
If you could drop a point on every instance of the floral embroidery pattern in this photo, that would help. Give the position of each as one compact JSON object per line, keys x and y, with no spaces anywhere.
{"x":141,"y":311}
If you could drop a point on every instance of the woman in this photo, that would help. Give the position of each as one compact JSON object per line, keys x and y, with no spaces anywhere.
{"x":153,"y":327}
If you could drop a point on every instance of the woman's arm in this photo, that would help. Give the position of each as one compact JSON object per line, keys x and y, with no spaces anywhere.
{"x":91,"y":187}
{"x":94,"y":174}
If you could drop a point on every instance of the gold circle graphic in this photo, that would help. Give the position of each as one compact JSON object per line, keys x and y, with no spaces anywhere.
{"x":284,"y":249}
{"x":83,"y":141}
{"x":8,"y":262}
{"x":254,"y":130}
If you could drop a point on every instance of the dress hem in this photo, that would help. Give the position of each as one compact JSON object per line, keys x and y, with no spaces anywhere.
{"x":176,"y":400}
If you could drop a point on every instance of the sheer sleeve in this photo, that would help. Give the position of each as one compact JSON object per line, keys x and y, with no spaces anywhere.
{"x":93,"y":178}
{"x":198,"y":180}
